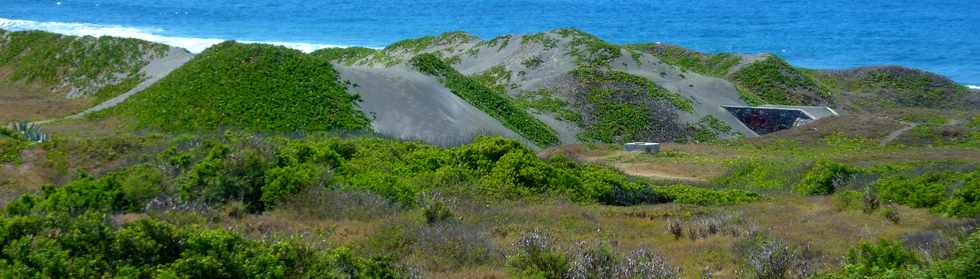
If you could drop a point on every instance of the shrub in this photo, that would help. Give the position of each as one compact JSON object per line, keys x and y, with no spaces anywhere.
{"x":436,"y":212}
{"x":644,"y":263}
{"x":537,"y":258}
{"x":675,"y":229}
{"x":283,"y":182}
{"x":141,"y":183}
{"x":870,"y":259}
{"x":455,"y":245}
{"x":594,"y":263}
{"x":90,"y":246}
{"x":771,"y":259}
{"x":926,"y":190}
{"x":847,"y":200}
{"x":891,"y":213}
{"x":823,"y":178}
{"x":965,"y":201}
{"x":700,"y":196}
{"x":965,"y":262}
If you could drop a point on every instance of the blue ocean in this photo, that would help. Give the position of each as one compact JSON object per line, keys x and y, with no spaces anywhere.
{"x":942,"y":36}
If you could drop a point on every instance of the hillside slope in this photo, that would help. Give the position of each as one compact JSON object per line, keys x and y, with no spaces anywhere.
{"x":581,"y":87}
{"x":248,"y":86}
{"x":45,"y":75}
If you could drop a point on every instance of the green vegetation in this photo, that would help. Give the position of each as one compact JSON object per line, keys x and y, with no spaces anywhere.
{"x":774,"y":81}
{"x":591,"y":76}
{"x":761,"y":175}
{"x":897,"y":87}
{"x":11,"y":144}
{"x":85,"y":63}
{"x":544,"y":39}
{"x":44,"y":240}
{"x":588,"y":50}
{"x":533,"y":62}
{"x":716,"y":65}
{"x":709,"y":129}
{"x":823,"y":178}
{"x":497,"y":78}
{"x":951,"y":193}
{"x":889,"y":259}
{"x":416,"y":46}
{"x":347,"y":56}
{"x":490,"y":100}
{"x":255,"y":87}
{"x":544,"y":101}
{"x":621,"y":107}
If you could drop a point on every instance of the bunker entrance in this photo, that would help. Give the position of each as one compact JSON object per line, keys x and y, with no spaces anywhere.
{"x":764,"y":120}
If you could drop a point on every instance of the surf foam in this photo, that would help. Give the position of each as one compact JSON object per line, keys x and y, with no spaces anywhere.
{"x":974,"y":87}
{"x":195,"y":45}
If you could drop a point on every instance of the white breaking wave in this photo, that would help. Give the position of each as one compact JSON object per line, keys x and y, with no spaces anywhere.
{"x":195,"y":45}
{"x":974,"y":87}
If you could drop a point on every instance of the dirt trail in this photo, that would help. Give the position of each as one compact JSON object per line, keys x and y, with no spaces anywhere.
{"x":647,"y":170}
{"x":897,"y":133}
{"x":643,"y":171}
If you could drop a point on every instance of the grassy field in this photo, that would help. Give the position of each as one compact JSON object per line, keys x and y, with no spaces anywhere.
{"x":455,"y":212}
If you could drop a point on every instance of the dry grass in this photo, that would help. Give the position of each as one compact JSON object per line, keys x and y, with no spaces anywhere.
{"x":21,"y":103}
{"x":800,"y":222}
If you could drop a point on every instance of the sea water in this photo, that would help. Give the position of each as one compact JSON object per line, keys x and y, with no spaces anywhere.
{"x":942,"y":36}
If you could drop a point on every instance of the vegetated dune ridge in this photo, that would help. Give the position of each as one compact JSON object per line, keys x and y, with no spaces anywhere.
{"x":536,"y":70}
{"x":576,"y":87}
{"x":46,"y":75}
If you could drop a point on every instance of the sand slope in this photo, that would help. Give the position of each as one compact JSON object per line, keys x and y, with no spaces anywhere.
{"x":406,"y":104}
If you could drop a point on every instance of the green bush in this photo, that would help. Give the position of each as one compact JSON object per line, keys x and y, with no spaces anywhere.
{"x":11,"y":144}
{"x":874,"y":260}
{"x":965,"y":201}
{"x":141,"y":183}
{"x":700,"y":196}
{"x":537,"y":258}
{"x":436,"y":212}
{"x":823,"y":178}
{"x":921,"y":191}
{"x":89,"y":246}
{"x":282,"y":182}
{"x":493,"y":102}
{"x":249,"y":86}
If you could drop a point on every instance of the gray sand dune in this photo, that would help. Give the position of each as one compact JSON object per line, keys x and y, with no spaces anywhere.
{"x":406,"y":104}
{"x":383,"y":87}
{"x":709,"y":94}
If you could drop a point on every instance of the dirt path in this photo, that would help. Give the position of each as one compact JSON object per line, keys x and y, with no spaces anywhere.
{"x":641,"y":171}
{"x":897,"y":133}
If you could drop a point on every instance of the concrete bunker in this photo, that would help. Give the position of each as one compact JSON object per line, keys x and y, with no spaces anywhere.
{"x":768,"y":119}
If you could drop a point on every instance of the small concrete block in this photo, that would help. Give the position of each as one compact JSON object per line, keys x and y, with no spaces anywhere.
{"x":646,"y":147}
